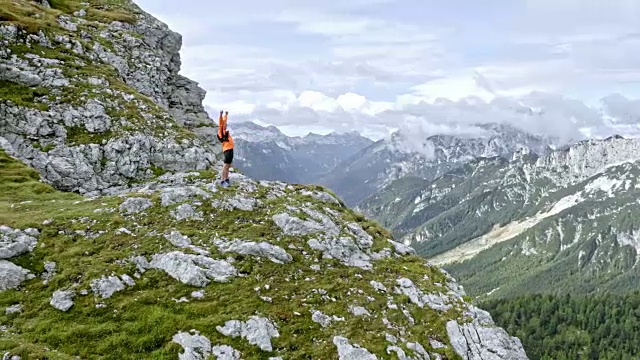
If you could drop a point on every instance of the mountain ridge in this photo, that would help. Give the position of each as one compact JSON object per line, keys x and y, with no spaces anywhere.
{"x":267,"y":153}
{"x":500,"y":214}
{"x":388,"y":159}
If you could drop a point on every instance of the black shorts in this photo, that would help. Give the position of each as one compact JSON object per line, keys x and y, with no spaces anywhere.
{"x":228,"y":156}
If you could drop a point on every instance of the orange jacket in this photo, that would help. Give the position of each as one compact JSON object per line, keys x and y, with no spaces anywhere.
{"x":222,"y":128}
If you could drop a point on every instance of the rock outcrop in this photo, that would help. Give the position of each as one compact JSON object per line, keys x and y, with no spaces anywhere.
{"x":106,"y":103}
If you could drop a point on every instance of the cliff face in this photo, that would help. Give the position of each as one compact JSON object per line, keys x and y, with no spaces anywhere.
{"x":93,"y":103}
{"x":156,"y":261}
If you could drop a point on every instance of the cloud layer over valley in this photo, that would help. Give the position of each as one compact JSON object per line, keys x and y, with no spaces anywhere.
{"x":570,"y":69}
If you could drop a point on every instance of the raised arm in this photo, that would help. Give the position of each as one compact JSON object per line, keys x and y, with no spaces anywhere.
{"x":222,"y":124}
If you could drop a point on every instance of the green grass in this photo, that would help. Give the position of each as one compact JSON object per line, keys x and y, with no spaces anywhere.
{"x":77,"y":135}
{"x":139,"y":322}
{"x":23,"y":95}
{"x":32,"y":17}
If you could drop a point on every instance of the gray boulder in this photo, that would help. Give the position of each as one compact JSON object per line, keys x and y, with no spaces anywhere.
{"x":135,"y":205}
{"x":196,"y":270}
{"x":13,"y":309}
{"x":196,"y":347}
{"x":346,"y":351}
{"x":257,"y":331}
{"x":434,"y":301}
{"x":16,"y":242}
{"x":62,"y":299}
{"x":473,"y":341}
{"x":343,"y":249}
{"x":262,"y":249}
{"x":105,"y":287}
{"x":11,"y":276}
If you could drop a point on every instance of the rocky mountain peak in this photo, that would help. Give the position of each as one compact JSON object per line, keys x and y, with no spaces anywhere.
{"x":588,"y":157}
{"x":404,"y":154}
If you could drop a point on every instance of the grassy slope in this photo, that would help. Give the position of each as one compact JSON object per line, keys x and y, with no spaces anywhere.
{"x":139,"y":322}
{"x":21,"y":13}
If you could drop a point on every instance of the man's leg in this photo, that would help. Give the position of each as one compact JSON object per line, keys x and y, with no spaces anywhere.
{"x":225,"y":171}
{"x":225,"y":167}
{"x":228,"y":160}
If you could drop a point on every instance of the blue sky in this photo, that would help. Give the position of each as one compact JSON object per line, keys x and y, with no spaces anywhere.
{"x":357,"y":64}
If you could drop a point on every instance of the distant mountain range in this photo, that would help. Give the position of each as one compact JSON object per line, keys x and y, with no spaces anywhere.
{"x":568,"y":221}
{"x":355,"y":167}
{"x":268,"y":154}
{"x":506,"y":212}
{"x":396,"y":157}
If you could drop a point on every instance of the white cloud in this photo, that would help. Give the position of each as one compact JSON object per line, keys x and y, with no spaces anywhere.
{"x":375,"y":66}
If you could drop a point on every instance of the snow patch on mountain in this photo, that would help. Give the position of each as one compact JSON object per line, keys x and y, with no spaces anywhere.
{"x":604,"y":184}
{"x":632,"y":240}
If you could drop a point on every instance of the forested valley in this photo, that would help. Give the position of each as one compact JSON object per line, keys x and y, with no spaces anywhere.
{"x":602,"y":326}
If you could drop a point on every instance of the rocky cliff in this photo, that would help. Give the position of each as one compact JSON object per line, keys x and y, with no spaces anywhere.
{"x":93,"y":103}
{"x":153,"y":259}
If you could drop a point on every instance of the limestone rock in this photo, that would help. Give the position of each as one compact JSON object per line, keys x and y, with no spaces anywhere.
{"x":343,"y":249}
{"x":16,"y":242}
{"x":239,"y":202}
{"x":323,"y":319}
{"x":320,"y":318}
{"x":13,"y":309}
{"x":186,"y":212}
{"x":11,"y":276}
{"x":419,"y":350}
{"x":257,"y":331}
{"x":346,"y":351}
{"x":49,"y":271}
{"x":261,"y":249}
{"x":196,"y":346}
{"x":178,"y":194}
{"x":364,"y":239}
{"x":402,"y":249}
{"x":62,"y":299}
{"x":198,"y":294}
{"x":475,"y":342}
{"x":292,"y":225}
{"x":181,"y":241}
{"x":196,"y":270}
{"x":135,"y":205}
{"x":225,"y":352}
{"x":328,"y":226}
{"x":105,"y":287}
{"x":378,"y":286}
{"x":321,"y":195}
{"x":359,"y":311}
{"x":434,"y":301}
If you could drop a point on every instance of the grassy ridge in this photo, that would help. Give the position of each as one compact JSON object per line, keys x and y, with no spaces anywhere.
{"x":33,"y":17}
{"x":139,"y":322}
